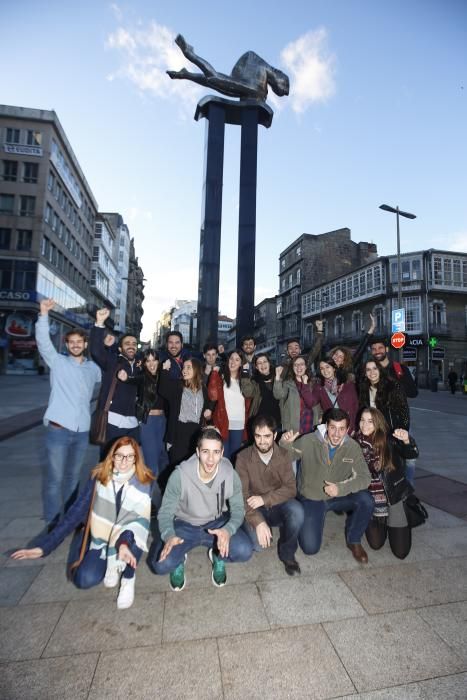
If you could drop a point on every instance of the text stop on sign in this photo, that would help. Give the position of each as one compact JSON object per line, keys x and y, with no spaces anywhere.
{"x":398,"y":340}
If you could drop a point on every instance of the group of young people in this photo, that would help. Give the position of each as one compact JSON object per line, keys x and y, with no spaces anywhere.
{"x":231,"y":447}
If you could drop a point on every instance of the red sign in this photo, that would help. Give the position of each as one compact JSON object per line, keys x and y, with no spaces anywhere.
{"x":398,"y":340}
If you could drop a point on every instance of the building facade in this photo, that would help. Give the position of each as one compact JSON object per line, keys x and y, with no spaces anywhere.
{"x":121,"y":260}
{"x":265,"y":326}
{"x":47,"y":215}
{"x":135,"y":295}
{"x":309,"y":261}
{"x":434,"y":296}
{"x":103,"y":268}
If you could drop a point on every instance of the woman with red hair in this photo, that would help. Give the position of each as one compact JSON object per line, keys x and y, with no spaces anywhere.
{"x":115,"y":505}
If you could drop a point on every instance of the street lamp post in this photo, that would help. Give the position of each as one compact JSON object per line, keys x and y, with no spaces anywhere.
{"x":398,"y":212}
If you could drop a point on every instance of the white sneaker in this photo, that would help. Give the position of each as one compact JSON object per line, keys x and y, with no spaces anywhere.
{"x":126,"y":594}
{"x":112,"y":575}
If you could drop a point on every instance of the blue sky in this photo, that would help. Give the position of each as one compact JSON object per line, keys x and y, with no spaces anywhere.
{"x":377,"y":113}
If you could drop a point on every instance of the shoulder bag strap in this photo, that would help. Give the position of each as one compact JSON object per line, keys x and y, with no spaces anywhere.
{"x":111,"y":393}
{"x":87,"y":529}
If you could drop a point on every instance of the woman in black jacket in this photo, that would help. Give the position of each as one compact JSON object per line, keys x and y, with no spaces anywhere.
{"x":189,"y":408}
{"x":378,"y":390}
{"x":385,"y":454}
{"x":150,"y":411}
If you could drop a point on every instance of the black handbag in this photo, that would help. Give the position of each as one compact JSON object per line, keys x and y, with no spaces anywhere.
{"x":100,"y":418}
{"x":415,"y":512}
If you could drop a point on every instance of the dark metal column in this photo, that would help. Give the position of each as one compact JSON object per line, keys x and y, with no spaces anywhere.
{"x":211,"y":218}
{"x":247,"y":223}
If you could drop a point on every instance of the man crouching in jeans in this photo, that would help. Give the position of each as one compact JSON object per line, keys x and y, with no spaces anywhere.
{"x":333,"y":476}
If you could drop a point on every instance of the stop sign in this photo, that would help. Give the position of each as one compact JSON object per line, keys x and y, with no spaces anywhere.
{"x":398,"y":340}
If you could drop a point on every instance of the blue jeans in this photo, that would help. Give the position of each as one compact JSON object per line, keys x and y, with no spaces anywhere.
{"x":359,"y":507}
{"x":152,"y":441}
{"x":65,"y":456}
{"x":233,"y":443}
{"x":240,"y":548}
{"x":410,"y":471}
{"x":92,"y":569}
{"x":289,"y":516}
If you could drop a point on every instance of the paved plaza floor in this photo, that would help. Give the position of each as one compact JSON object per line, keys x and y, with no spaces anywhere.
{"x":389,"y":630}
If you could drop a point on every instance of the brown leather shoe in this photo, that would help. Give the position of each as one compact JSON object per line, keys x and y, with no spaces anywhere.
{"x":358,"y":553}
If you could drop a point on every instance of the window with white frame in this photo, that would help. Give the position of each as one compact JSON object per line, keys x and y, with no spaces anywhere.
{"x":27,"y":205}
{"x":438,"y":312}
{"x":12,"y":135}
{"x":378,"y":313}
{"x":357,"y":322}
{"x":339,"y":326}
{"x":413,"y":315}
{"x":10,"y":170}
{"x":30,"y":172}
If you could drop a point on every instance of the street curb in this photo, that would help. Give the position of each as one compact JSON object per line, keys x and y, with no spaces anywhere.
{"x":21,"y":422}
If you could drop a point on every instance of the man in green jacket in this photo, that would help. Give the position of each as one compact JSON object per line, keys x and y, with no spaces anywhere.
{"x":333,"y":476}
{"x":202,"y":506}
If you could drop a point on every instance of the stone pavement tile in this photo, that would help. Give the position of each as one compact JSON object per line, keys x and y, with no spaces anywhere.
{"x":448,"y":541}
{"x":443,"y":493}
{"x":25,"y":630}
{"x":390,"y":649}
{"x":52,"y":586}
{"x":19,"y":488}
{"x":4,"y":522}
{"x":65,"y":678}
{"x":184,"y":671}
{"x":19,"y":507}
{"x":197,"y":568}
{"x":284,"y":663}
{"x":212,"y":612}
{"x":450,"y":622}
{"x":15,"y":582}
{"x":22,"y":527}
{"x":97,"y":625}
{"x":404,"y":586}
{"x":308,"y":599}
{"x":444,"y":688}
{"x":439,"y":518}
{"x":59,"y":555}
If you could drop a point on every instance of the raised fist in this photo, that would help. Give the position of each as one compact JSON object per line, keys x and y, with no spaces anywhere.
{"x":46,"y":305}
{"x":102,"y":315}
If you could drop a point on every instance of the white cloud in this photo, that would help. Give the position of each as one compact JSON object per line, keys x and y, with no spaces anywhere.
{"x":455,"y":241}
{"x":146,"y":55}
{"x":311,"y":69}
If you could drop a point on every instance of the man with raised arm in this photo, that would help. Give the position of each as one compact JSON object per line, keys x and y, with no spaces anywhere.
{"x":122,"y":414}
{"x":68,"y":415}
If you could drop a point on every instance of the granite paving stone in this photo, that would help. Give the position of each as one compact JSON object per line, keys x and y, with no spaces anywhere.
{"x":402,"y":586}
{"x":448,"y":542}
{"x":440,"y":519}
{"x":308,"y":599}
{"x":309,"y":666}
{"x":384,"y":650}
{"x":24,"y":631}
{"x":59,"y":555}
{"x":22,"y":527}
{"x":51,"y":585}
{"x":450,"y":622}
{"x":97,"y":625}
{"x":187,"y":670}
{"x":22,"y":507}
{"x":65,"y":678}
{"x":202,"y":613}
{"x":15,"y":582}
{"x":444,"y":688}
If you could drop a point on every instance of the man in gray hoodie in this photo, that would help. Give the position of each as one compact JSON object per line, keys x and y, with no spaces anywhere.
{"x":202,"y":506}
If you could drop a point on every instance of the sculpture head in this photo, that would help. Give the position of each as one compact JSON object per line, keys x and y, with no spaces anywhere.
{"x":278,"y":81}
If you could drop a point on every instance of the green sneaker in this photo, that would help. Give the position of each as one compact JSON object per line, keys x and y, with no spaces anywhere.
{"x":219,"y":574}
{"x":177,"y":577}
